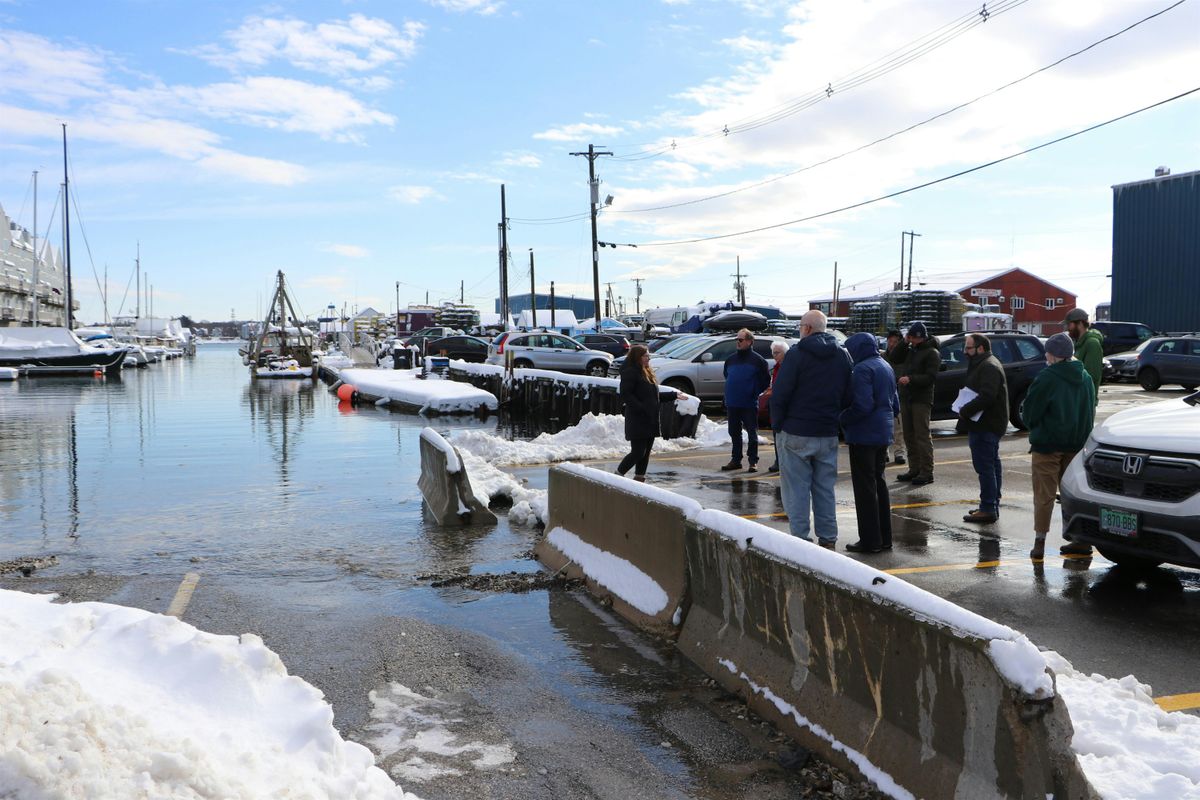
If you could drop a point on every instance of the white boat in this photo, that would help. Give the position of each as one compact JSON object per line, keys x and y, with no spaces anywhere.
{"x":55,"y":351}
{"x":284,"y":347}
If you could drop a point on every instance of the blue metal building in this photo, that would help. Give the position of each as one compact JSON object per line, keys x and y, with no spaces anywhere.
{"x":1156,"y":252}
{"x":583,"y":308}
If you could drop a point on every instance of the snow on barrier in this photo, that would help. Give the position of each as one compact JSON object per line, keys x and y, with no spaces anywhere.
{"x":445,"y":486}
{"x":920,"y":696}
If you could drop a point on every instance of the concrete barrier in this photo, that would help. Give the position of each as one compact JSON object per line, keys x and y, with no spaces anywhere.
{"x":445,"y":486}
{"x":624,"y":539}
{"x":920,"y":696}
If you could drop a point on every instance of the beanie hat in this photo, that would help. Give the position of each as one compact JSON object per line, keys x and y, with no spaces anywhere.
{"x":1060,"y":345}
{"x":918,"y":329}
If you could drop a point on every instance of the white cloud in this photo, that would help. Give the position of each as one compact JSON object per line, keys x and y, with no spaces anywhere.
{"x":578,"y":132}
{"x":520,"y":159}
{"x":56,"y":73}
{"x":481,"y":7}
{"x":413,"y":195}
{"x":373,"y":83}
{"x":745,"y":44}
{"x":340,"y":47}
{"x":347,"y":250}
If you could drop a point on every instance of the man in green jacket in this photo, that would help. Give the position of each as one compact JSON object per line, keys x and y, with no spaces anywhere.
{"x":1059,"y":410}
{"x":1089,"y":345}
{"x":989,"y":386}
{"x":915,"y":384}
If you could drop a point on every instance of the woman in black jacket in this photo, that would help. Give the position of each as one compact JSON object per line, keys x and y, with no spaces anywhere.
{"x":639,"y":391}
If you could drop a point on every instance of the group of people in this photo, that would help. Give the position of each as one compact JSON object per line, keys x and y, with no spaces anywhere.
{"x":881,"y":403}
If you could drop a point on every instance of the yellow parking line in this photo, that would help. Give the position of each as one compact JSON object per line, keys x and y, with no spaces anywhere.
{"x":183,"y":595}
{"x":905,"y":505}
{"x":1179,"y":702}
{"x":941,"y":568}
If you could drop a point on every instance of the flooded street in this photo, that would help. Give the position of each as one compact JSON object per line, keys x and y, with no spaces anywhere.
{"x":301,"y":521}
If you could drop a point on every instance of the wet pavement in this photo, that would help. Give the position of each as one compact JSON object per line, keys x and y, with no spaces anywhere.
{"x":1101,"y":617}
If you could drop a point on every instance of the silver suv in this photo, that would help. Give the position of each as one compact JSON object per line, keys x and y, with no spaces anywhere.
{"x":543,"y":350}
{"x":697,"y":367}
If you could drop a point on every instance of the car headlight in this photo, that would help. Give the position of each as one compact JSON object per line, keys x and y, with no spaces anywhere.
{"x":1089,"y":447}
{"x":1107,"y":364}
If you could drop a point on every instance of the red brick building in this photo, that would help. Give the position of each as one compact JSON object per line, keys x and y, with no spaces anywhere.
{"x":1037,"y":305}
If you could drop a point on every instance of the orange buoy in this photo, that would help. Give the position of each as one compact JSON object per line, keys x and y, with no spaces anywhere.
{"x":346,"y":392}
{"x":98,"y":373}
{"x":345,"y":407}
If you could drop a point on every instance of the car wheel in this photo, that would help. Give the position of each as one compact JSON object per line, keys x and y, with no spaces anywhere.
{"x":1014,"y":411}
{"x":522,"y":363}
{"x":680,"y":385}
{"x":1129,"y":561}
{"x":597,"y":369}
{"x":1149,"y":379}
{"x":1189,"y":387}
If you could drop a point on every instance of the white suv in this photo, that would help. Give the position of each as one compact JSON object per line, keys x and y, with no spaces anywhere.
{"x":1133,"y":492}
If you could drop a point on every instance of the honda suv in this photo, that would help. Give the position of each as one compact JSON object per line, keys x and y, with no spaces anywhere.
{"x":1021,"y":354}
{"x":542,"y":350}
{"x":1133,"y":492}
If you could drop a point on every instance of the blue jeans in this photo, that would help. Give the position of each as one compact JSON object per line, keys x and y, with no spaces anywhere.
{"x":807,"y":474}
{"x":985,"y":457}
{"x":740,"y":418}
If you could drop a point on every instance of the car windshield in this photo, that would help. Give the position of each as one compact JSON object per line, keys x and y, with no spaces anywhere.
{"x":689,"y":348}
{"x":672,"y":346}
{"x":1142,"y":346}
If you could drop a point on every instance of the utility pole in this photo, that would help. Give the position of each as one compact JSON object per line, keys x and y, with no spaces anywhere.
{"x":532,"y":291}
{"x":608,"y":300}
{"x":67,"y":228}
{"x":833,"y":306}
{"x":504,"y":310}
{"x":551,"y":304}
{"x":461,"y":293}
{"x":594,"y":187}
{"x":911,"y":236}
{"x":637,"y":295}
{"x":397,"y":308}
{"x":739,"y":286}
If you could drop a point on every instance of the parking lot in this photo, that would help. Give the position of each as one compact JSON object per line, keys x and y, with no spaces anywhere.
{"x":1102,"y":617}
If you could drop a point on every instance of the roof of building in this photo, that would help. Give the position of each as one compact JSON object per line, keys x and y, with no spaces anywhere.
{"x":1157,"y":178}
{"x":999,"y":275}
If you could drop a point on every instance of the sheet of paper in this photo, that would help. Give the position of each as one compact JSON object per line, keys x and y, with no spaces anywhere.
{"x":965,"y":396}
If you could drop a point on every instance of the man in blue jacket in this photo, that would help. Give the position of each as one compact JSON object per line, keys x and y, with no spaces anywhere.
{"x":806,"y":401}
{"x":868,"y":422}
{"x":746,"y":377}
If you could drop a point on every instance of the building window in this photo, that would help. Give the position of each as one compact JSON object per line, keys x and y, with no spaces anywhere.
{"x":1018,"y":303}
{"x":1050,"y":303}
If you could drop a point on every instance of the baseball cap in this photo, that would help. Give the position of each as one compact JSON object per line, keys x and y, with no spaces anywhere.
{"x":1076,"y":315}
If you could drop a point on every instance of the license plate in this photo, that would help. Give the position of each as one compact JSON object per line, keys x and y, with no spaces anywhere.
{"x":1121,"y":523}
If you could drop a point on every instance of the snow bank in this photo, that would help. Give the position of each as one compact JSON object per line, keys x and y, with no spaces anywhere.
{"x":1127,"y":745}
{"x":434,"y":438}
{"x":403,"y":386}
{"x":101,"y":700}
{"x":593,"y":437}
{"x":489,"y":482}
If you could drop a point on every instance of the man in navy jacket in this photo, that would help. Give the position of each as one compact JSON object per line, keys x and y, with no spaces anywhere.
{"x":806,"y":401}
{"x":746,"y":377}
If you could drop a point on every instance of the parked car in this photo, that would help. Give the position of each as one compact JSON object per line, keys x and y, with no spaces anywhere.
{"x":426,"y":335}
{"x":542,"y":350}
{"x":612,"y":343}
{"x":1133,"y":492}
{"x":464,"y":348}
{"x":1123,"y":365}
{"x":665,"y":345}
{"x":1022,"y":355}
{"x":697,"y":365}
{"x":1122,"y":336}
{"x":1169,"y":359}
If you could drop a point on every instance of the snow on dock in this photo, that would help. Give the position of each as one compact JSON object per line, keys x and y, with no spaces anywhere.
{"x":403,"y":387}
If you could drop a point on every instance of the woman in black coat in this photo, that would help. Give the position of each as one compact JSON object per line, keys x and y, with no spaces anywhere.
{"x":639,"y":391}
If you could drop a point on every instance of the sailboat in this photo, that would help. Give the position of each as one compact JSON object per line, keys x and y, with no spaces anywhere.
{"x":284,"y":347}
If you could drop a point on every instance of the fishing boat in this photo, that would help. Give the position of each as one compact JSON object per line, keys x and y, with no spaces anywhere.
{"x":284,"y":347}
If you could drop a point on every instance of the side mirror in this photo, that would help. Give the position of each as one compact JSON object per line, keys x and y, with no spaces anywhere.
{"x":705,"y":358}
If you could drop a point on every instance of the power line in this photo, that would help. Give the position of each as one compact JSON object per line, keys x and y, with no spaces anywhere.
{"x":912,"y":127}
{"x":876,"y":69}
{"x":927,"y":184}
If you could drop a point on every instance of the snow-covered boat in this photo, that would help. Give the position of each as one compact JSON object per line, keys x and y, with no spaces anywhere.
{"x":284,"y":347}
{"x":50,"y":350}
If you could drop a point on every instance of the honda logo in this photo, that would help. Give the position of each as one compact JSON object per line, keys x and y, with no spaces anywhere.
{"x":1133,"y":465}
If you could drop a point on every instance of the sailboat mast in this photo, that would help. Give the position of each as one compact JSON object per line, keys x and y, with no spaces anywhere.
{"x":137,"y":265}
{"x":36,"y":258}
{"x":67,"y":229}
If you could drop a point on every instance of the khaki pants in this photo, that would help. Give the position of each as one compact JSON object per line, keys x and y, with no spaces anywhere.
{"x":897,"y":439}
{"x":1048,"y":469}
{"x":915,"y":419}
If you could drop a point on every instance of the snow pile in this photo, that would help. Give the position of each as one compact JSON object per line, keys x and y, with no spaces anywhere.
{"x":403,"y":386}
{"x":593,"y":437}
{"x":688,"y":407}
{"x":1127,"y":745}
{"x":489,"y":482}
{"x":336,"y":359}
{"x":102,"y":700}
{"x":435,"y":439}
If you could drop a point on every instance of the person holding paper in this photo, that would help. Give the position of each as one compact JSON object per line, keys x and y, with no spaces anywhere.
{"x":985,"y":419}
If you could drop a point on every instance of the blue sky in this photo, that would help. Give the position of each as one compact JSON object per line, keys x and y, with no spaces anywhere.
{"x":358,"y":144}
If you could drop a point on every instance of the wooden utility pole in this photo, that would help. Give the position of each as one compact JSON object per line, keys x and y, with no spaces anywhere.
{"x":551,"y":304}
{"x":532,"y":291}
{"x":504,"y":310}
{"x":637,"y":296}
{"x":911,"y":236}
{"x":739,"y":286}
{"x":594,"y":188}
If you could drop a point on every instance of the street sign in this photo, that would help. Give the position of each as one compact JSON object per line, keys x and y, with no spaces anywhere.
{"x":986,"y":292}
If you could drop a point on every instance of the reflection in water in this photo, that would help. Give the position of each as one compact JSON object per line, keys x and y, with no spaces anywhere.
{"x":278,"y":410}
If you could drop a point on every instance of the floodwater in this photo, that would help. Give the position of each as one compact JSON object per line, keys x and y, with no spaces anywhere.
{"x":302,"y":518}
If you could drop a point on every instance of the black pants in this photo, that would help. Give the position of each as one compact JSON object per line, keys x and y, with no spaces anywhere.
{"x":872,"y":503}
{"x":639,"y":456}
